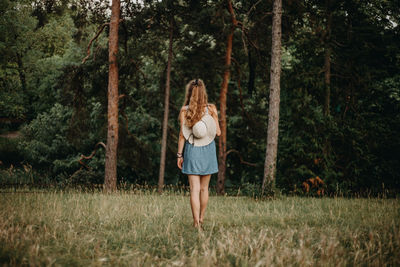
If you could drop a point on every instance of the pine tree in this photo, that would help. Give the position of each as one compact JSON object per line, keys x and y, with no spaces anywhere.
{"x":110,"y":181}
{"x":274,"y":98}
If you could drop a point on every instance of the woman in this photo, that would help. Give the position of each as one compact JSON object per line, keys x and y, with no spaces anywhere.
{"x":196,"y":155}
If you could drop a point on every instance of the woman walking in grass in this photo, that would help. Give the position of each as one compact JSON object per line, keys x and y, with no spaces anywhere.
{"x":197,"y":155}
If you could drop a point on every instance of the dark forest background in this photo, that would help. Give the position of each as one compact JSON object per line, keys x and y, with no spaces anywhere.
{"x":53,"y":107}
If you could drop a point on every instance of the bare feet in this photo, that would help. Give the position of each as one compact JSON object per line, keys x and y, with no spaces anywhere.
{"x":198,"y":226}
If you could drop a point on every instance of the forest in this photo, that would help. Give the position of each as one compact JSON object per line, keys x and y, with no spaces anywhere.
{"x":339,"y":116}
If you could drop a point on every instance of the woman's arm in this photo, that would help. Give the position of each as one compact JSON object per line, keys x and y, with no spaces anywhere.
{"x":181,"y":139}
{"x":214,"y":114}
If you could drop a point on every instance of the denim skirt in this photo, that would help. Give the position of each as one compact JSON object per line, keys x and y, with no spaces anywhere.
{"x":200,"y":160}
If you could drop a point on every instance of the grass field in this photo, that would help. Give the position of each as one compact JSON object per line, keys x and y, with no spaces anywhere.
{"x":148,"y":229}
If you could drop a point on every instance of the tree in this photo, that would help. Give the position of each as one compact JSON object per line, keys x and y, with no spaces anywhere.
{"x":328,"y":52}
{"x":17,"y":37}
{"x":110,"y":181}
{"x":338,"y":57}
{"x":274,"y":98}
{"x":166,"y":111}
{"x":222,"y":104}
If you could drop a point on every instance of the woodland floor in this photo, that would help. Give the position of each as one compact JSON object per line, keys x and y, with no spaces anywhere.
{"x":136,"y":229}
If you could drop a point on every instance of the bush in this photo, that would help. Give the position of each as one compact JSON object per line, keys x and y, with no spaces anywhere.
{"x":44,"y":142}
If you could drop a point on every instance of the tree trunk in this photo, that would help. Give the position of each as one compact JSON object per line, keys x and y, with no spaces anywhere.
{"x":327,"y":62}
{"x":166,"y":111}
{"x":327,"y":80}
{"x":252,"y":73}
{"x":274,"y":99}
{"x":110,"y":180}
{"x":222,"y":108}
{"x":327,"y":76}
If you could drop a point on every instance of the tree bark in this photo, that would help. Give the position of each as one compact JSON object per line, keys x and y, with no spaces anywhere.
{"x":274,"y":99}
{"x":222,"y":108}
{"x":328,"y":52}
{"x":327,"y":80}
{"x":166,"y":111}
{"x":252,"y":76}
{"x":327,"y":74}
{"x":110,"y":179}
{"x":222,"y":105}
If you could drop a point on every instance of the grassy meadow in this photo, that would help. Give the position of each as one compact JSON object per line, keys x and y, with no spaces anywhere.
{"x":136,"y":229}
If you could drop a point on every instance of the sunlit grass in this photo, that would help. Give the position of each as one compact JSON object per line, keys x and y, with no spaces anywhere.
{"x":63,"y":228}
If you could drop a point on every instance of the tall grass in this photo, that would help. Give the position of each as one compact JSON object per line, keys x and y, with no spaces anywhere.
{"x":138,"y":229}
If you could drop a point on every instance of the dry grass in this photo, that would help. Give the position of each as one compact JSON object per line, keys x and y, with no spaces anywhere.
{"x":148,"y":229}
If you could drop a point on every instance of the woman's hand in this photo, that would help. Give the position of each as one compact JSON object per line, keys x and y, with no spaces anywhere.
{"x":181,"y":140}
{"x":179,"y":162}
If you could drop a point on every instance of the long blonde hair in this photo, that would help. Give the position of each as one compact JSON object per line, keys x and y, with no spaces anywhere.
{"x":196,"y":97}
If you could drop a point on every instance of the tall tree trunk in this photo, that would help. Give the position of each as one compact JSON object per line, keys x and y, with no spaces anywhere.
{"x":327,"y":80}
{"x":166,"y":111}
{"x":22,"y":78}
{"x":327,"y":76}
{"x":222,"y":108}
{"x":252,"y":73}
{"x":222,"y":105}
{"x":327,"y":67}
{"x":274,"y":99}
{"x":110,"y":180}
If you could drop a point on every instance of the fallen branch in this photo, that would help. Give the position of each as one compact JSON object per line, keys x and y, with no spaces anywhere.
{"x":240,"y":157}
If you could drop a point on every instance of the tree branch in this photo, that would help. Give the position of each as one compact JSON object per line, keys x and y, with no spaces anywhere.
{"x":266,"y":15}
{"x":141,"y":72}
{"x":240,"y":157}
{"x":253,"y":7}
{"x":240,"y":89}
{"x":91,"y":155}
{"x":101,"y":28}
{"x":232,"y":12}
{"x":337,"y":43}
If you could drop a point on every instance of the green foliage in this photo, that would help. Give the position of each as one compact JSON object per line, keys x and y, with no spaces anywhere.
{"x":63,"y":103}
{"x":349,"y":149}
{"x":23,"y":176}
{"x":45,"y":144}
{"x":12,"y":104}
{"x":82,"y":178}
{"x":16,"y":27}
{"x":53,"y":38}
{"x":10,"y":154}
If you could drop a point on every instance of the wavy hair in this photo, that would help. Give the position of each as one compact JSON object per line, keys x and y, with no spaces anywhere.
{"x":196,"y":97}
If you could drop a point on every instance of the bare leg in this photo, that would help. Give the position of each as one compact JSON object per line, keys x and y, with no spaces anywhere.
{"x":194,"y":181}
{"x":204,"y":181}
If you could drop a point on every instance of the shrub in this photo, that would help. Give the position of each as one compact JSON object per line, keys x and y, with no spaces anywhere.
{"x":44,"y":142}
